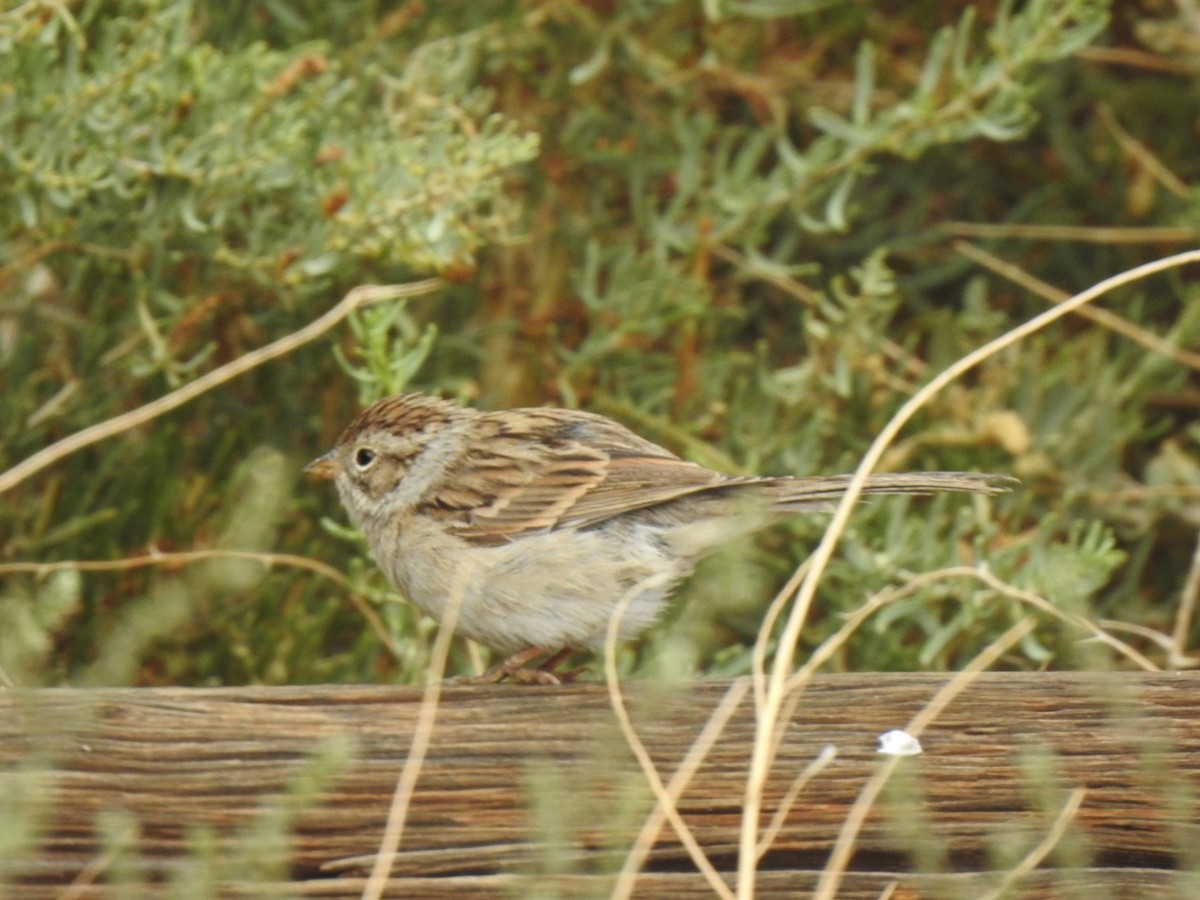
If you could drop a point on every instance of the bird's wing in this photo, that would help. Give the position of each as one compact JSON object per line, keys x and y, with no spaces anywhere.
{"x":547,"y":470}
{"x":543,"y":470}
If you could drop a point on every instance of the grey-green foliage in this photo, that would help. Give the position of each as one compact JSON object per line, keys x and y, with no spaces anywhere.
{"x":178,"y":193}
{"x":280,"y":167}
{"x":258,"y":853}
{"x":756,"y":264}
{"x":30,"y":615}
{"x":731,"y":240}
{"x":741,"y":180}
{"x":390,"y":348}
{"x":168,"y":179}
{"x":261,"y":851}
{"x":26,"y":805}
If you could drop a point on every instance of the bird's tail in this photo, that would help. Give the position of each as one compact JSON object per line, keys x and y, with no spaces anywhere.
{"x":795,"y":494}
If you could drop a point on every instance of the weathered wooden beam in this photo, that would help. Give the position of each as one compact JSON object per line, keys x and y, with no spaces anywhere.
{"x":528,"y":787}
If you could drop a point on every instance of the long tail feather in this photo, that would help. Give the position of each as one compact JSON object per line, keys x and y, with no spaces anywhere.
{"x":800,"y":493}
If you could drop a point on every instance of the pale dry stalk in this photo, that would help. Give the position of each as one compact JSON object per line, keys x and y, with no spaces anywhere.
{"x":775,"y":690}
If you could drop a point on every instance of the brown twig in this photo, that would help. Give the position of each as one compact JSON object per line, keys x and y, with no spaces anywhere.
{"x":1145,"y":157}
{"x":1086,"y":234}
{"x":1137,"y":59}
{"x":359,"y":297}
{"x":155,"y":558}
{"x":1100,"y":316}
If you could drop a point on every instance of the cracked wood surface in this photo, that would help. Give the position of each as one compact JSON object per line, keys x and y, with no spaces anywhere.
{"x":534,"y":788}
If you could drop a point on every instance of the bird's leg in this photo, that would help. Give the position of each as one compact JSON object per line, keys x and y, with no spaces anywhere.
{"x":514,"y":668}
{"x":556,"y":660}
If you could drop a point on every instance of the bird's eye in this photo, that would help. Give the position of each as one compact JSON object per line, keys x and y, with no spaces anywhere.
{"x":363,"y":457}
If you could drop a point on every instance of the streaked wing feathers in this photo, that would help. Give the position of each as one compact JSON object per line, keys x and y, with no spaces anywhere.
{"x":548,"y":470}
{"x":556,"y":471}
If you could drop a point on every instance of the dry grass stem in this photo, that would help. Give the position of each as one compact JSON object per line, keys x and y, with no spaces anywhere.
{"x":768,"y":718}
{"x":770,"y":274}
{"x":1137,"y":59}
{"x":697,"y":752}
{"x":357,"y":298}
{"x":797,"y":683}
{"x":82,"y":886}
{"x":758,"y":659}
{"x":1185,"y":615}
{"x":389,"y":844}
{"x":156,"y":557}
{"x":830,"y":646}
{"x":1102,"y":317}
{"x":1087,"y":234}
{"x":665,"y":802}
{"x":1041,"y":603}
{"x":831,"y":875}
{"x":1035,"y":856}
{"x":1145,"y":157}
{"x":854,"y":621}
{"x":827,"y":755}
{"x":475,"y":657}
{"x":1160,"y":640}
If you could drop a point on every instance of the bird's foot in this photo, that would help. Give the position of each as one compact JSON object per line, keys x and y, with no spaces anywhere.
{"x":515,"y":669}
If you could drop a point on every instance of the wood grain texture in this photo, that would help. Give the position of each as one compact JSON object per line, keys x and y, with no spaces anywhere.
{"x":534,"y":787}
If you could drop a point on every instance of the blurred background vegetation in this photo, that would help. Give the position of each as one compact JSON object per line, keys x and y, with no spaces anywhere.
{"x":735,"y":226}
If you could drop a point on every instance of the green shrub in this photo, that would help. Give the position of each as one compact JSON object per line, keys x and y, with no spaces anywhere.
{"x":730,"y":225}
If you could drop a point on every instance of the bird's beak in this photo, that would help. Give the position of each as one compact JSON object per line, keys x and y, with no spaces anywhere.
{"x":323,"y":467}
